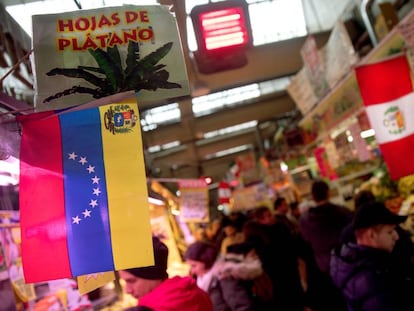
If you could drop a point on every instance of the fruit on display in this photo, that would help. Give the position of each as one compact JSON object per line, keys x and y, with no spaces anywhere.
{"x":392,"y":193}
{"x":406,"y":185}
{"x":381,"y":185}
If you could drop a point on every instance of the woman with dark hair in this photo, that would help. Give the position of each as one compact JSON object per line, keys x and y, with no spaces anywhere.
{"x":227,"y":280}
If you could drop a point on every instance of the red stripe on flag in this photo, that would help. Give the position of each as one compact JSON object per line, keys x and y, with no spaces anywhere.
{"x":43,"y":226}
{"x":398,"y":154}
{"x":384,"y":81}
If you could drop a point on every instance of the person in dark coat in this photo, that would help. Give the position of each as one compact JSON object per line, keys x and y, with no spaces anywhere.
{"x":277,"y":249}
{"x":322,"y":225}
{"x":321,"y":228}
{"x":403,"y":251}
{"x":281,"y":213}
{"x":364,"y":270}
{"x":227,"y":281}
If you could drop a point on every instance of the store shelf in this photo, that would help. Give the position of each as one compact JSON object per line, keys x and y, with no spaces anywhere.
{"x":344,"y":100}
{"x":355,"y":175}
{"x":338,"y":127}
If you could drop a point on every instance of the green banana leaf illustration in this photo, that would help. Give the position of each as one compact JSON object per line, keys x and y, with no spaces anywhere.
{"x":110,"y":77}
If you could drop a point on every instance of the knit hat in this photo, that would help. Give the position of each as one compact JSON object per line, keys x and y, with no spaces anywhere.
{"x":203,"y":252}
{"x":159,"y":270}
{"x":375,"y":213}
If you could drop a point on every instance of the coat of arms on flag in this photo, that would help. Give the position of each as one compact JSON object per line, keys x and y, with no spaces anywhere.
{"x":387,"y":91}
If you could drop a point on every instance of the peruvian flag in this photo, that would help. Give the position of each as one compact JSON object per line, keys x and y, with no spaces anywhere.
{"x":224,"y":192}
{"x":387,"y":91}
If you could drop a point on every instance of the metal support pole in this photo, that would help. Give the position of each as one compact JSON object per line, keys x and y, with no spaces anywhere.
{"x":366,"y":17}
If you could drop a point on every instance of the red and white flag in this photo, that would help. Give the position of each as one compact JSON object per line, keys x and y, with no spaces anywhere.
{"x":387,"y":91}
{"x":224,"y":192}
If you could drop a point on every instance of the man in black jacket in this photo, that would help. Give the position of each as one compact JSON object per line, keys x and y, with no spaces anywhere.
{"x":365,"y":271}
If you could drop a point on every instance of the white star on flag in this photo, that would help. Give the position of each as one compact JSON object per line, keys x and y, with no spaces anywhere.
{"x":86,"y":213}
{"x":91,"y":169}
{"x":72,"y":156}
{"x":83,"y":160}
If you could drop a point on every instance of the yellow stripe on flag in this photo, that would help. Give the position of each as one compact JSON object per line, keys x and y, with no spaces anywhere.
{"x":89,"y":282}
{"x":127,"y":191}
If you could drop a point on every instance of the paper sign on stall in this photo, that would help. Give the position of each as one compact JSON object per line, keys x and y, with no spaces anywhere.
{"x":301,"y":91}
{"x":87,"y":54}
{"x":314,"y":66}
{"x":339,"y":55}
{"x":194,"y":200}
{"x":248,"y":198}
{"x":11,"y":273}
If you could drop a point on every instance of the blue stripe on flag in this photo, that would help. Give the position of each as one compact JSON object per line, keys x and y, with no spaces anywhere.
{"x":86,"y":203}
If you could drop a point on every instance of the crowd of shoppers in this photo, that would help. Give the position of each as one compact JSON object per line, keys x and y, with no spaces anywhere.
{"x":329,"y":257}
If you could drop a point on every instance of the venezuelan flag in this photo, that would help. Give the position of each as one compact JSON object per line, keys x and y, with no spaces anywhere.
{"x":83,"y":193}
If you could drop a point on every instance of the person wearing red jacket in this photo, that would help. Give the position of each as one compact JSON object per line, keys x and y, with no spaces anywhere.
{"x":155,"y":290}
